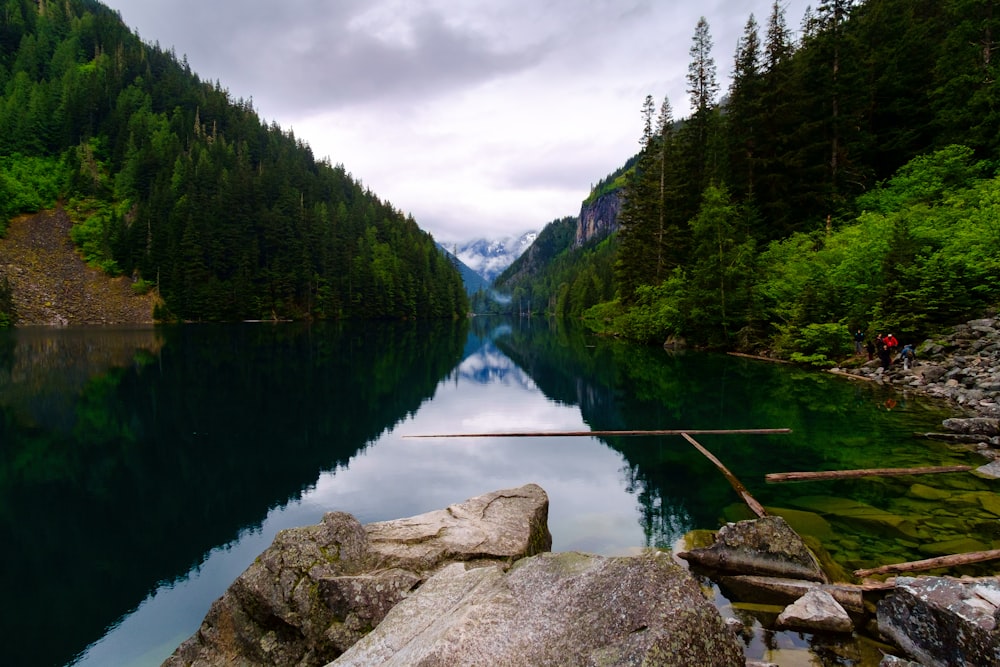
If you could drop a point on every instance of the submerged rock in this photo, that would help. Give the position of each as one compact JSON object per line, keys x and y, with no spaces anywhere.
{"x":554,"y":609}
{"x":765,"y":546}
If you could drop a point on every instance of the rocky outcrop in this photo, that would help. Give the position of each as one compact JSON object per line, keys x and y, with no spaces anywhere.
{"x":468,"y":585}
{"x":766,"y":546}
{"x":598,"y":218}
{"x":554,"y":609}
{"x":317,"y":590}
{"x":944,"y":621}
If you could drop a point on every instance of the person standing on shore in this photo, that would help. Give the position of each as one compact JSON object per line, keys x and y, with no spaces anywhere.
{"x":859,"y":339}
{"x":884,"y":353}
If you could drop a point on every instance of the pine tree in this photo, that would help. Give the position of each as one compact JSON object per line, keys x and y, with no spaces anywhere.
{"x":967,"y":96}
{"x":744,"y":112}
{"x":703,"y":87}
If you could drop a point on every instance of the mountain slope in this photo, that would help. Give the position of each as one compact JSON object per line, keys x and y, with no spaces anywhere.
{"x":473,"y":281}
{"x":232,"y":218}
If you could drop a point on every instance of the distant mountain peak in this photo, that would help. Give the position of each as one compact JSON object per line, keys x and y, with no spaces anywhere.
{"x":489,"y":257}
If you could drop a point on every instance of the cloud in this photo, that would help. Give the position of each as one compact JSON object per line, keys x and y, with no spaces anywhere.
{"x":480,"y":118}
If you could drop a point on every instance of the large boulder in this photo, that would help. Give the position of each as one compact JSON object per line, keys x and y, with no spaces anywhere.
{"x":767,"y":547}
{"x":317,"y":590}
{"x":944,"y":621}
{"x":553,"y":609}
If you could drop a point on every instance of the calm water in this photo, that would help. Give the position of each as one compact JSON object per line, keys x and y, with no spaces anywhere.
{"x":141,"y":470}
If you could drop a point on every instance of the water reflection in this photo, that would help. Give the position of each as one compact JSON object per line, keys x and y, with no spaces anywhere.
{"x":151,"y":478}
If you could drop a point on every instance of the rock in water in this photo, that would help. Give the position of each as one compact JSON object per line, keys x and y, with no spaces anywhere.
{"x":554,"y":609}
{"x":944,"y":621}
{"x":817,"y":610}
{"x":766,"y":546}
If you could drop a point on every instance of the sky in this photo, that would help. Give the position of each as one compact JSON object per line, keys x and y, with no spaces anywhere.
{"x":480,"y":118}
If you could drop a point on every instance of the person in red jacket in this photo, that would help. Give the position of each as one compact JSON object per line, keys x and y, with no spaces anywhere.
{"x":892,"y":343}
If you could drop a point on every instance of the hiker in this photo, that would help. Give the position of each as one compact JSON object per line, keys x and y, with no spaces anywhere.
{"x":870,"y":349}
{"x":884,"y":354}
{"x":859,"y":339}
{"x":892,"y":343}
{"x":908,"y":355}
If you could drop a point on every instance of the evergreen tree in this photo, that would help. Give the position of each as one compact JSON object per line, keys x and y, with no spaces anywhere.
{"x":744,"y":111}
{"x":966,"y":98}
{"x":702,"y":162}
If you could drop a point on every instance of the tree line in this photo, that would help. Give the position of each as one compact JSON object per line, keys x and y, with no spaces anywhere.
{"x":845,"y":179}
{"x":190,"y":192}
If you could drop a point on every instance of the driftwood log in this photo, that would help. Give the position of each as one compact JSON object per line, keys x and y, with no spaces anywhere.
{"x":580,"y":434}
{"x":751,"y":502}
{"x":863,"y":472}
{"x":931,"y":563}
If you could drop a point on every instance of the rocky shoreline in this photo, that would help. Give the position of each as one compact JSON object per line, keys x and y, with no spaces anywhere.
{"x":961,"y":367}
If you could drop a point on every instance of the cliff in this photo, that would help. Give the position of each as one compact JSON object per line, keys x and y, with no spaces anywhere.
{"x":598,"y":218}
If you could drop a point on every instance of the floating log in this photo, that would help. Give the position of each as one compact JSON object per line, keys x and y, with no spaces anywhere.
{"x":850,"y":376}
{"x":579,"y":434}
{"x":758,"y":358}
{"x":864,"y":472}
{"x":932,"y":563}
{"x":751,"y":502}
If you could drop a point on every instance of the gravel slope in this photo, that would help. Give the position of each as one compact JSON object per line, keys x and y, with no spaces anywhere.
{"x":51,"y":285}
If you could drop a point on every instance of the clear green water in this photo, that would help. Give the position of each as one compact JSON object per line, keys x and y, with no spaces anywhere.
{"x":142,"y":469}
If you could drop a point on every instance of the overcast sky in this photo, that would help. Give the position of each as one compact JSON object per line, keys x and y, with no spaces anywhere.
{"x":481,"y":118}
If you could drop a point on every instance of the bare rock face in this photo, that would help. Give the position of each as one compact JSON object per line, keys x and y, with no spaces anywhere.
{"x":317,"y":590}
{"x":766,"y":547}
{"x":553,"y":609}
{"x":817,"y":610}
{"x":944,"y":621}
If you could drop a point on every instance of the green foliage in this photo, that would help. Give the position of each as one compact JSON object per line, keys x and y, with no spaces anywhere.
{"x":93,"y":225}
{"x":28,"y":184}
{"x":816,"y":344}
{"x":659,"y":312}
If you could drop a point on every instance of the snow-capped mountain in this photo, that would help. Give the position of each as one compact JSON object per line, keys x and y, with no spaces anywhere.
{"x":489,"y":257}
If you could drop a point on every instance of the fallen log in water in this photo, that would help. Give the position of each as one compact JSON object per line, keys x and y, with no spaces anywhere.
{"x":759,"y":358}
{"x":850,"y":376}
{"x":863,"y":472}
{"x":578,"y":434}
{"x":931,"y":563}
{"x":751,"y":502}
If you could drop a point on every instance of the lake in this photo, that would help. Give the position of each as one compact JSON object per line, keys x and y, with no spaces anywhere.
{"x":142,"y":469}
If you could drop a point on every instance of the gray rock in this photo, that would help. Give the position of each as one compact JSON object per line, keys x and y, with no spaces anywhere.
{"x":554,"y":609}
{"x":943,"y":621}
{"x":765,"y":546}
{"x":317,"y":590}
{"x":816,"y":611}
{"x":988,"y":426}
{"x":895,"y":661}
{"x":932,"y":373}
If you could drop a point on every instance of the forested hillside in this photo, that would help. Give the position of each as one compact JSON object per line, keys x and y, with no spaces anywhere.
{"x":847,"y":178}
{"x":189,"y":192}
